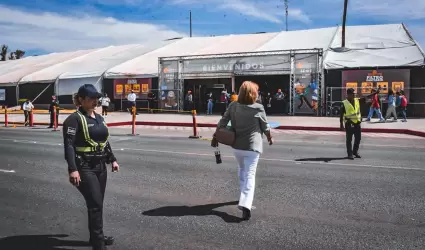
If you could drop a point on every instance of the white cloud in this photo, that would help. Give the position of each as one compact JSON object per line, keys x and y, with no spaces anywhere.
{"x":54,"y":32}
{"x":265,"y":10}
{"x":391,"y":9}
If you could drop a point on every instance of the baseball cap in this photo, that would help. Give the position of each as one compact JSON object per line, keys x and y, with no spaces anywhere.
{"x":350,"y":91}
{"x":89,"y":90}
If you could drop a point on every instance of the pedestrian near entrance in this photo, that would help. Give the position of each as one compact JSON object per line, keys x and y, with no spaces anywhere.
{"x":54,"y":105}
{"x":27,"y":107}
{"x":351,"y":117}
{"x":249,"y":122}
{"x":87,"y":151}
{"x":104,"y":101}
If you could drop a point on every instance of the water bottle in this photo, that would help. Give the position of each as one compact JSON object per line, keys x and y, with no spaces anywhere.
{"x":217,"y":156}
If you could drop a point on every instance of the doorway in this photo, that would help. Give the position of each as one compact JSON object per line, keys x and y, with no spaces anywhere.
{"x":201,"y":87}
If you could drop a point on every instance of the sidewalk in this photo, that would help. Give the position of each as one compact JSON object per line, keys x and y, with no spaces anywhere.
{"x":412,"y":126}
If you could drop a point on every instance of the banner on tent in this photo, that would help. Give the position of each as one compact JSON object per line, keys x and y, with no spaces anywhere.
{"x":363,"y":81}
{"x":140,"y":86}
{"x":306,"y":86}
{"x":238,"y":65}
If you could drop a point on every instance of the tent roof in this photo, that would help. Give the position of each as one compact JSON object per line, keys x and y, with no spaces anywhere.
{"x":366,"y":46}
{"x":93,"y":64}
{"x":374,"y":46}
{"x":13,"y":71}
{"x":300,"y":39}
{"x":147,"y":65}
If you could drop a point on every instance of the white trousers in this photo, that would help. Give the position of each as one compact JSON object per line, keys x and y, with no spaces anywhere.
{"x":247,"y":161}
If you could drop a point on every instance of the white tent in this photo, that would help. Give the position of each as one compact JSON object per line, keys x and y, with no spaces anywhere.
{"x":374,"y":46}
{"x":147,"y":64}
{"x":70,"y":75}
{"x":13,"y":71}
{"x":300,"y":39}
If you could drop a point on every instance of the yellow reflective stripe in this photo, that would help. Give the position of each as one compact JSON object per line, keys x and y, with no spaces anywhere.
{"x":86,"y":130}
{"x":84,"y":149}
{"x":87,"y":138}
{"x":352,"y":112}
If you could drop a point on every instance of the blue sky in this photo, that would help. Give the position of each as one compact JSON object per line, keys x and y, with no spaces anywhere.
{"x":64,"y":25}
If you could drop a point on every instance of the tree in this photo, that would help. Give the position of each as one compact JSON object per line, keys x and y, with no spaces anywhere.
{"x":19,"y":53}
{"x":12,"y":56}
{"x":3,"y":52}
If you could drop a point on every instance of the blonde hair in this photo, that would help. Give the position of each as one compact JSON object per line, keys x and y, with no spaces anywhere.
{"x":248,"y":93}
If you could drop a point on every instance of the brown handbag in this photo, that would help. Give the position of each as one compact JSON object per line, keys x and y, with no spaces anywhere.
{"x":226,"y":135}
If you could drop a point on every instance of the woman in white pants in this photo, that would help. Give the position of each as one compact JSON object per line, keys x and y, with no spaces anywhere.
{"x":249,"y":121}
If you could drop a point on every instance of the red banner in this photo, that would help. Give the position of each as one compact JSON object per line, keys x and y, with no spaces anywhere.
{"x":140,"y":86}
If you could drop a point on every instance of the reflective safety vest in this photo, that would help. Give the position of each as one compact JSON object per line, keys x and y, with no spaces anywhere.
{"x":94,"y":146}
{"x":352,"y":113}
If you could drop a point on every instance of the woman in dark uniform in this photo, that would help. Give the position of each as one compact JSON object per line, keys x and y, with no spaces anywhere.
{"x":87,"y":151}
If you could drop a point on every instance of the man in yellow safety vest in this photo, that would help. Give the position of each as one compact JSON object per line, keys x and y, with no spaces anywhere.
{"x":350,"y":116}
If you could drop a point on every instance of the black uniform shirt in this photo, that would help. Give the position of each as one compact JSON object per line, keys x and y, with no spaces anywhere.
{"x":74,"y":137}
{"x":53,"y":104}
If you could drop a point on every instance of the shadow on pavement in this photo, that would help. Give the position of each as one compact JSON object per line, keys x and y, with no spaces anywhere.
{"x":201,"y":210}
{"x":40,"y":242}
{"x":324,"y":159}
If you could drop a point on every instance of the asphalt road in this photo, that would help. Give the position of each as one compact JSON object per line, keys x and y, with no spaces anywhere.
{"x":170,"y":194}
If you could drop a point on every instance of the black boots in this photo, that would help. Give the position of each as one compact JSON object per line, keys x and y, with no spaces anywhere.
{"x":246,"y":213}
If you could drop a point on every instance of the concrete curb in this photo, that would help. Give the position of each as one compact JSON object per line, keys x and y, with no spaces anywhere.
{"x":212,"y":125}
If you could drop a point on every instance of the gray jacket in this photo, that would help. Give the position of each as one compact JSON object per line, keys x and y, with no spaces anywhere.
{"x":249,"y":123}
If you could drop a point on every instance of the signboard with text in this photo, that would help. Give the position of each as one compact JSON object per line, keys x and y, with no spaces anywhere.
{"x":366,"y":80}
{"x":140,"y":86}
{"x":238,"y":64}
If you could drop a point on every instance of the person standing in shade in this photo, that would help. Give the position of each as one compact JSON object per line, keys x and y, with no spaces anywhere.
{"x":351,"y":117}
{"x":27,"y":107}
{"x":131,"y":98}
{"x":104,"y":101}
{"x":54,"y":105}
{"x":87,"y":151}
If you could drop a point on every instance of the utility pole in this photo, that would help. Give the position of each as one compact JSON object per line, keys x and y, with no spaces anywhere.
{"x":344,"y":19}
{"x":286,"y":14}
{"x":190,"y":22}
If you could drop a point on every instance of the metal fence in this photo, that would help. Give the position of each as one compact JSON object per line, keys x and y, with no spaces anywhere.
{"x":335,"y":96}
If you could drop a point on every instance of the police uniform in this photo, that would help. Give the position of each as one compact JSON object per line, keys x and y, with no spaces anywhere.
{"x":351,"y":117}
{"x":54,"y":105}
{"x":87,"y":151}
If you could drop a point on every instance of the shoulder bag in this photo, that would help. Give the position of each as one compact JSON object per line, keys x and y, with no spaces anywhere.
{"x":226,"y":135}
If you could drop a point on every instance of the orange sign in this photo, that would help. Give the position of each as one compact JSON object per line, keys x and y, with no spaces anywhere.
{"x":145,"y":88}
{"x":136,"y":88}
{"x":351,"y":85}
{"x":384,"y":87}
{"x":367,"y":87}
{"x":127,"y":88}
{"x":397,"y":86}
{"x":118,"y":89}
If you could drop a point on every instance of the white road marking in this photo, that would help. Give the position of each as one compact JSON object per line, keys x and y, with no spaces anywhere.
{"x":228,"y":156}
{"x":278,"y":160}
{"x":7,"y":171}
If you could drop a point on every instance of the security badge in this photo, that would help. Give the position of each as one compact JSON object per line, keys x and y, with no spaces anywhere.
{"x":71,"y":131}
